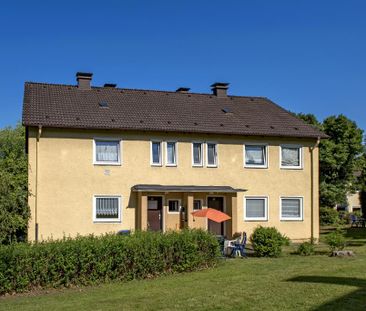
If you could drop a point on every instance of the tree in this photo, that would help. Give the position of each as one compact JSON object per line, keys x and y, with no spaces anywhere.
{"x":311,"y":119}
{"x":14,"y":211}
{"x":338,"y":156}
{"x":362,"y":182}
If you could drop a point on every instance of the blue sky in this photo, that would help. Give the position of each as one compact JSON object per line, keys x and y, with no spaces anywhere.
{"x":308,"y":56}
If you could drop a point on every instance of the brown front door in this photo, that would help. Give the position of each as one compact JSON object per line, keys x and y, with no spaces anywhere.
{"x":155,"y":213}
{"x":216,"y":203}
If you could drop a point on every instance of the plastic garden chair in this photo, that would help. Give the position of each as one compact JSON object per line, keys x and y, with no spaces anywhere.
{"x":239,"y":247}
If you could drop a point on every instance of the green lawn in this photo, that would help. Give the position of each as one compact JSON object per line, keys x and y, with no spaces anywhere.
{"x":292,"y":282}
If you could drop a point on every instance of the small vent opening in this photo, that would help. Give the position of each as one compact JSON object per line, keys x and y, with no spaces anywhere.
{"x":103,"y":105}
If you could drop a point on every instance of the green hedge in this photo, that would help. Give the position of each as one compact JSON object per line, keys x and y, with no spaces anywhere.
{"x":92,"y":260}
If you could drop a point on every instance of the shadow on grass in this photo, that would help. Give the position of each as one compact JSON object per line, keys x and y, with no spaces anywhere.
{"x":353,"y":301}
{"x":356,"y":233}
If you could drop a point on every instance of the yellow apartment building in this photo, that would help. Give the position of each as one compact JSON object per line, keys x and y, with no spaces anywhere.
{"x":105,"y":159}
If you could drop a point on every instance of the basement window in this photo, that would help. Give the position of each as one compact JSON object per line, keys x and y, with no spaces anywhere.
{"x":107,"y":209}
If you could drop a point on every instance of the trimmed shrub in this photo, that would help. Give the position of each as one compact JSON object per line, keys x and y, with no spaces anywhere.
{"x":268,"y":242}
{"x":91,"y":260}
{"x":328,"y":216}
{"x":306,"y":249}
{"x":335,"y":240}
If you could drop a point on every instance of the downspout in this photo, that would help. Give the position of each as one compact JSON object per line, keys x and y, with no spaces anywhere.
{"x":39,"y":133}
{"x":312,"y":186}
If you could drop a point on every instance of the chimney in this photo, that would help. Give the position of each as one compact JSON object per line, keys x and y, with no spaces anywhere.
{"x":182,"y":90}
{"x":84,"y":79}
{"x":220,"y":89}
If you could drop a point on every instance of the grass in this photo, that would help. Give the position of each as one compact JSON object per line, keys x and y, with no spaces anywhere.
{"x":291,"y":282}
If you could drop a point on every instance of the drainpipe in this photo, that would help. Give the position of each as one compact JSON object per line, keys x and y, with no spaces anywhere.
{"x":312,"y":186}
{"x":36,"y":186}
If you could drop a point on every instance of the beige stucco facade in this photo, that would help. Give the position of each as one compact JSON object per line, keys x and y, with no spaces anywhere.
{"x":66,"y":180}
{"x":354,"y":202}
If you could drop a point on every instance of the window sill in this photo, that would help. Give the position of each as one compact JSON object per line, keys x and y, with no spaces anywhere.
{"x":156,"y":165}
{"x":107,"y":164}
{"x":256,"y":166}
{"x":212,"y":166}
{"x":255,"y":220}
{"x":173,"y":213}
{"x":171,"y":165}
{"x":292,"y":219}
{"x":291,"y":168}
{"x":106,"y":221}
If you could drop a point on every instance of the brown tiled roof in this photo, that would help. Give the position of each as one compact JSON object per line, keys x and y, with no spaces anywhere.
{"x":66,"y":106}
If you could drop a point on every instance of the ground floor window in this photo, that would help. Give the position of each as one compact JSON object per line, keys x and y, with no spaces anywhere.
{"x":197,"y":205}
{"x":291,"y":208}
{"x":256,"y":208}
{"x":173,"y":206}
{"x":107,"y":209}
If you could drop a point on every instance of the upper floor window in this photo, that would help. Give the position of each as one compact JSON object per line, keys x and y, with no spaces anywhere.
{"x":255,"y":155}
{"x":197,"y":151}
{"x":291,"y":157}
{"x":211,"y":155}
{"x":291,"y":208}
{"x":107,"y":152}
{"x":107,"y":209}
{"x":171,"y":153}
{"x":156,"y":153}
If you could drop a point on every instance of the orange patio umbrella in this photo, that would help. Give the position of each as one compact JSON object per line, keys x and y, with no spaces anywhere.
{"x":213,"y":214}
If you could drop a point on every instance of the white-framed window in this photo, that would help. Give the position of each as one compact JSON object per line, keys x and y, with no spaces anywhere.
{"x":256,"y":155}
{"x":171,"y":153}
{"x":106,"y":151}
{"x":256,"y":208}
{"x":107,"y":208}
{"x":173,"y":206}
{"x":155,"y":153}
{"x":211,"y":154}
{"x":291,"y":208}
{"x":197,"y":204}
{"x":197,"y":154}
{"x":291,"y":156}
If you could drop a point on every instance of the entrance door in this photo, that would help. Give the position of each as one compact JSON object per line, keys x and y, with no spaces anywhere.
{"x":216,"y":203}
{"x":155,"y":213}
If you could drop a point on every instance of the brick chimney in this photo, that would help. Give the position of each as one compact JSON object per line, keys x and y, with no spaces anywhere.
{"x":220,"y":89}
{"x":84,"y":79}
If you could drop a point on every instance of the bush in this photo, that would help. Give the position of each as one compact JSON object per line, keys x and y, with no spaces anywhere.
{"x":92,"y":260}
{"x":306,"y":249}
{"x":335,"y":240}
{"x":344,"y":217}
{"x":328,"y":216}
{"x":268,"y":242}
